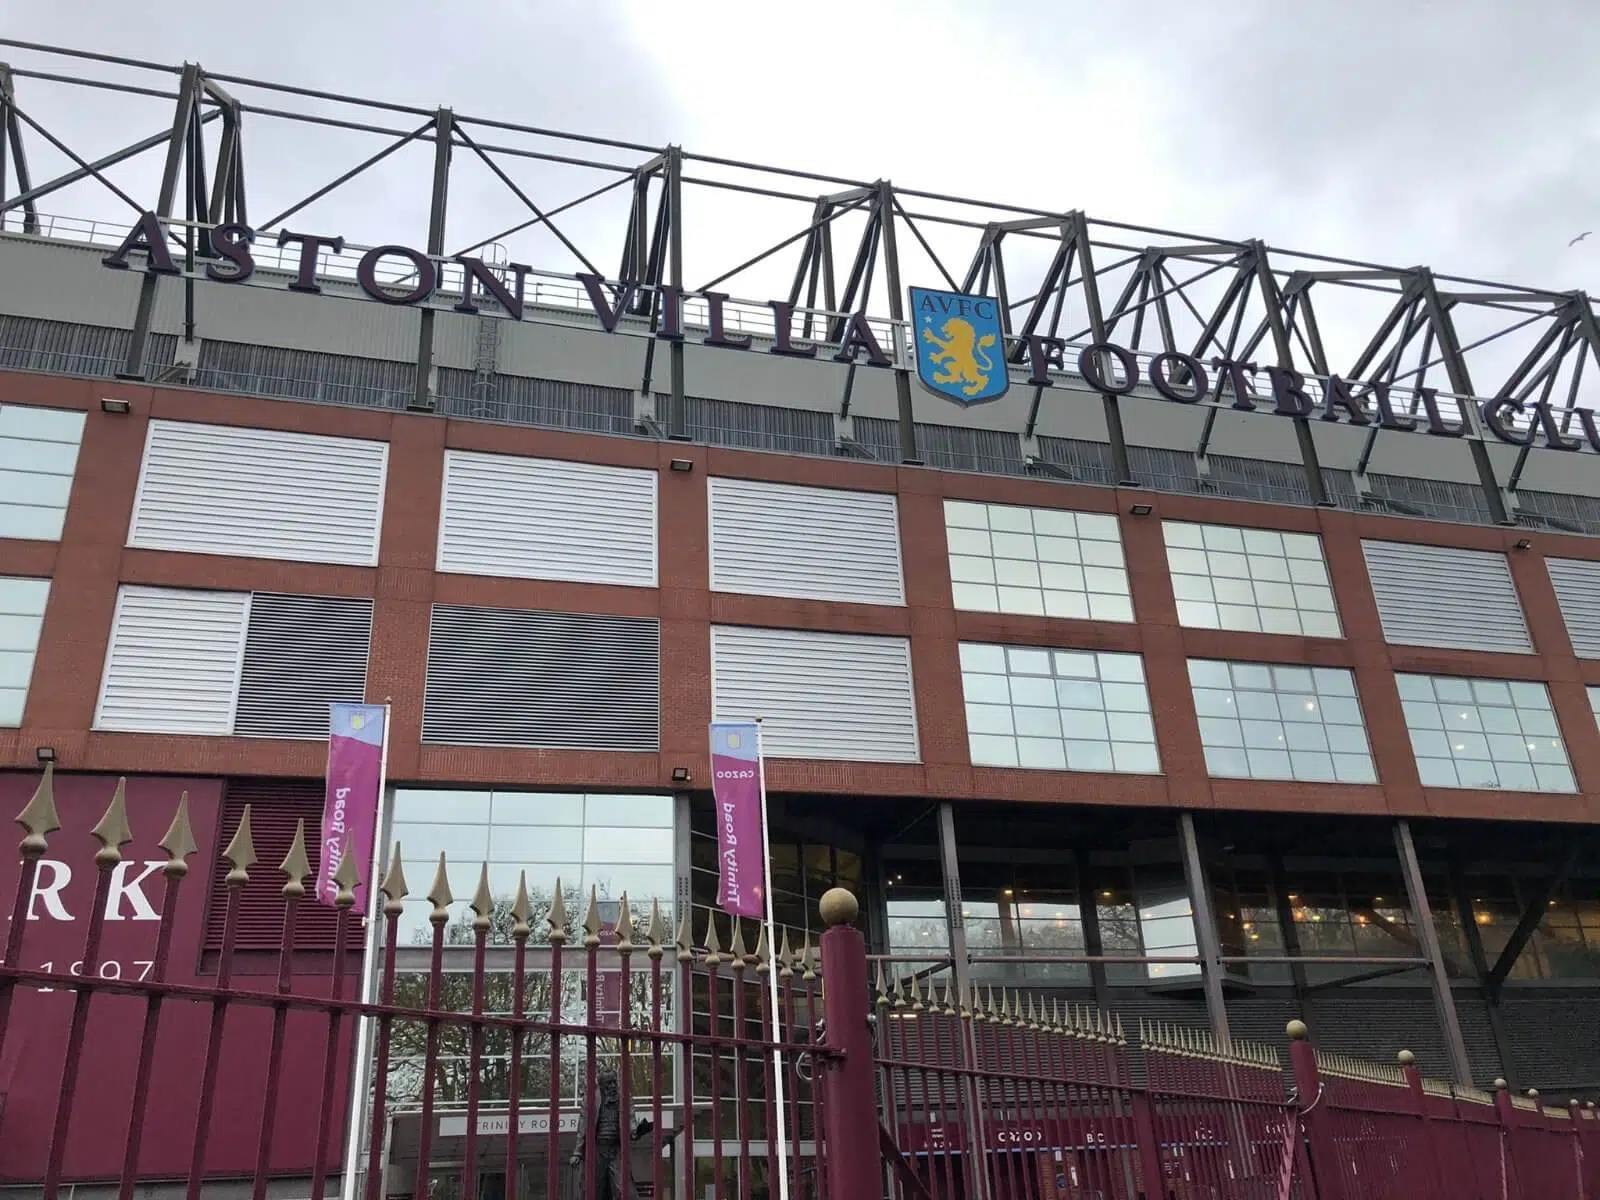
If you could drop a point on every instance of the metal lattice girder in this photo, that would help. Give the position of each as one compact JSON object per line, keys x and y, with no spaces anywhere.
{"x":832,"y":245}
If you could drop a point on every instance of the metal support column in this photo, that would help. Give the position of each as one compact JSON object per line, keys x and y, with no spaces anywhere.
{"x":897,"y":316}
{"x":1081,"y":240}
{"x":1205,"y":925}
{"x":188,"y":95}
{"x":1092,"y":943}
{"x":1272,"y":299}
{"x":962,"y":966}
{"x":677,"y":419}
{"x":1480,"y":967}
{"x":1417,"y":893}
{"x":443,"y":135}
{"x":1455,"y":366}
{"x":11,"y":140}
{"x":1286,"y":927}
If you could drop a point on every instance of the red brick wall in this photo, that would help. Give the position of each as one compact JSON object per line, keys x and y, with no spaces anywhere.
{"x":91,"y":560}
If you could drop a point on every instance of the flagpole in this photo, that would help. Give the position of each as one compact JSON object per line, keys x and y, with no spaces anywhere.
{"x":369,"y":977}
{"x":772,"y":979}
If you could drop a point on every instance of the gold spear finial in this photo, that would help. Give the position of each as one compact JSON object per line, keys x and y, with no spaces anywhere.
{"x":557,"y":916}
{"x":713,"y":947}
{"x":296,"y":864}
{"x":786,"y":959}
{"x":179,"y":841}
{"x":763,"y":957}
{"x":736,"y":953}
{"x":624,"y":926}
{"x":591,"y":919}
{"x":521,"y":911}
{"x":347,"y":877}
{"x":38,"y":817}
{"x":482,"y":902}
{"x":685,"y":941}
{"x":241,"y":852}
{"x":656,"y":931}
{"x":394,"y":886}
{"x":439,"y":895}
{"x":112,"y":831}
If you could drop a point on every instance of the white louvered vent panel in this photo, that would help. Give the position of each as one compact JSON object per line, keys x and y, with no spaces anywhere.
{"x":301,"y":654}
{"x":259,"y":493}
{"x":812,"y":543}
{"x":535,"y":518}
{"x":173,"y":662}
{"x":547,"y":680}
{"x":1440,"y":596}
{"x":1577,"y":585}
{"x":819,"y":695}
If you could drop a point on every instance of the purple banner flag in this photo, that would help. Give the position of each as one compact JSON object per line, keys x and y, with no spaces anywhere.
{"x":736,"y":796}
{"x":350,"y":806}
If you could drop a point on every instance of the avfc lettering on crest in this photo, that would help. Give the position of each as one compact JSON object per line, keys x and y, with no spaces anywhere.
{"x":960,"y":345}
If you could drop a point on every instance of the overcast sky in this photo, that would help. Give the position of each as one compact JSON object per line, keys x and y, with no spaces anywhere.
{"x":1462,"y":135}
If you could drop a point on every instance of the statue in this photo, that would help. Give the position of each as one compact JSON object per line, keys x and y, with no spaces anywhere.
{"x":613,"y":1166}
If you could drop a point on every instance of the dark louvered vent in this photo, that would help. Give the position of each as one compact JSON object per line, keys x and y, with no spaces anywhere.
{"x":548,"y":680}
{"x":275,"y":808}
{"x":301,"y":654}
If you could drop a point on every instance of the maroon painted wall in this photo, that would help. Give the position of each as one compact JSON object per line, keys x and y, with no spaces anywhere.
{"x":35,"y":1049}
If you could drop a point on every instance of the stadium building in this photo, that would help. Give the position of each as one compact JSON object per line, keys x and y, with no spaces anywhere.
{"x":1219,"y":643}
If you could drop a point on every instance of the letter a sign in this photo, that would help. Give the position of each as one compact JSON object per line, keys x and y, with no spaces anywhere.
{"x":961,"y":346}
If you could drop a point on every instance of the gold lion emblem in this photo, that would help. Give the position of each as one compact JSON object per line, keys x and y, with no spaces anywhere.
{"x":960,"y":356}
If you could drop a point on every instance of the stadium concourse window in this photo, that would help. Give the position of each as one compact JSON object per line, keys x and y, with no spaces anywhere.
{"x":38,"y":457}
{"x":1040,"y":561}
{"x":1280,"y":722}
{"x":1485,"y":733}
{"x":607,"y":844}
{"x":1021,"y":910}
{"x":1064,"y":710}
{"x":802,"y":870}
{"x":1257,"y":580}
{"x":22,"y":604}
{"x":1566,"y":943}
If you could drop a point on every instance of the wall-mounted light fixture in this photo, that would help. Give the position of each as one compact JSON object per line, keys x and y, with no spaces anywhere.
{"x":1523,"y":544}
{"x":680,"y":775}
{"x":45,"y":754}
{"x":119,"y":407}
{"x":682,"y":464}
{"x":1142,"y":510}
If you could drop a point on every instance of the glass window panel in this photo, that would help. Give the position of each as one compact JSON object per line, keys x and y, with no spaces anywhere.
{"x":32,"y":487}
{"x":1026,"y":601}
{"x":992,"y":751}
{"x":978,"y":657}
{"x":458,"y":843}
{"x":1089,"y":756}
{"x":969,"y":541}
{"x":603,"y":843}
{"x":53,"y":458}
{"x":1280,"y":722}
{"x":975,"y":597}
{"x":23,"y":597}
{"x":1034,"y":560}
{"x":12,"y":700}
{"x":31,"y":522}
{"x":43,"y":424}
{"x":1050,"y":711}
{"x":658,"y":811}
{"x":1488,"y":734}
{"x":965,"y":514}
{"x":1080,"y":606}
{"x":965,"y":569}
{"x":441,"y":805}
{"x":1055,"y":522}
{"x":1197,"y":615}
{"x":1010,"y":518}
{"x":1257,"y":580}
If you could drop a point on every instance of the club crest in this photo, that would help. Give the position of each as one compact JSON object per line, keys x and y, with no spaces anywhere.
{"x":960,"y":345}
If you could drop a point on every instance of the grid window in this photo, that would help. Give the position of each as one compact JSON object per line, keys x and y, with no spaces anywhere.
{"x":21,"y":614}
{"x":38,"y":455}
{"x":1258,"y":580}
{"x":1485,"y":733}
{"x":1594,"y":702}
{"x":1039,"y":561}
{"x":1063,"y":710}
{"x":1274,"y":722}
{"x":606,"y":845}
